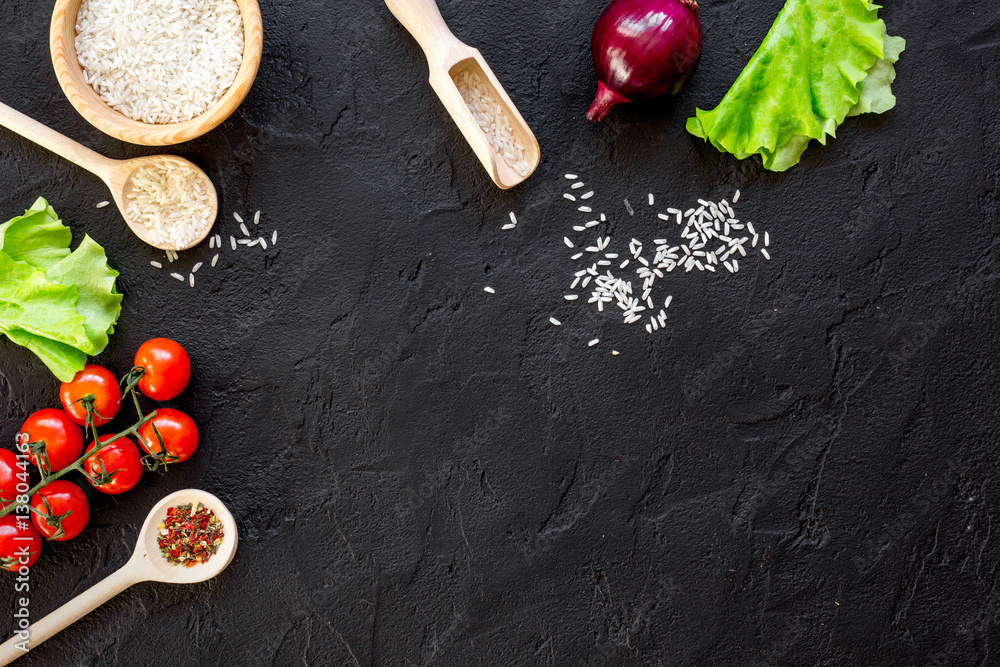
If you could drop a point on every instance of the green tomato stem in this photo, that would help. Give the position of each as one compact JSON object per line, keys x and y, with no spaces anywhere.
{"x":78,"y":464}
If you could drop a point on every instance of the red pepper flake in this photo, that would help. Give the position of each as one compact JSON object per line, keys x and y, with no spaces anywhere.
{"x":190,"y":534}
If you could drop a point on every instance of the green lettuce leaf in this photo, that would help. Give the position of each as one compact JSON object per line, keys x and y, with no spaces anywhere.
{"x":876,"y":88}
{"x":61,"y":305}
{"x":38,"y":237}
{"x":87,"y":268}
{"x":29,"y":301}
{"x":802,"y":82}
{"x":63,"y":360}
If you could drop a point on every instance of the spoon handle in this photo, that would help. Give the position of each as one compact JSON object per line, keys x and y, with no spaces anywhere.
{"x":69,"y":613}
{"x":31,"y":129}
{"x":423,"y":20}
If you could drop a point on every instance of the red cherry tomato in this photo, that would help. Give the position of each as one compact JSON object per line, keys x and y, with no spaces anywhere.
{"x":167,"y":366}
{"x":91,"y":381}
{"x":180,"y":435}
{"x":8,"y":477}
{"x":20,"y":544}
{"x":64,"y":501}
{"x":63,"y":438}
{"x":122,"y":456}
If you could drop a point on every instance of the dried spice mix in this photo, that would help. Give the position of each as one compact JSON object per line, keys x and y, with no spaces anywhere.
{"x":191,"y":534}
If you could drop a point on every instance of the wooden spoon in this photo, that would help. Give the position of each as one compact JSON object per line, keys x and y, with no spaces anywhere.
{"x":447,"y":58}
{"x":117,"y":174}
{"x":146,"y":564}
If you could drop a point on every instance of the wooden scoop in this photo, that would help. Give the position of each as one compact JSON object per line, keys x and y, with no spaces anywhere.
{"x":117,"y":174}
{"x":146,"y":564}
{"x":448,"y":58}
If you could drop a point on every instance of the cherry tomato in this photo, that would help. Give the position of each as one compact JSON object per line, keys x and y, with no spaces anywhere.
{"x":63,"y":438}
{"x":20,"y":544}
{"x":8,"y":477}
{"x":121,"y":455}
{"x":67,"y":502}
{"x":179,"y":433}
{"x":91,"y":381}
{"x":167,"y":366}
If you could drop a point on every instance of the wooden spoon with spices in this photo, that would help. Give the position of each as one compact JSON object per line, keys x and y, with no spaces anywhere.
{"x":119,"y":175}
{"x":146,"y":564}
{"x":450,"y":60}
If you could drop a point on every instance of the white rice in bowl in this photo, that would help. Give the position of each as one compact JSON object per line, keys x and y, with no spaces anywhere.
{"x":160,"y":61}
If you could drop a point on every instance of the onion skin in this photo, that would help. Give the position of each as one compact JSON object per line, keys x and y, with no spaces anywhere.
{"x":643,"y":49}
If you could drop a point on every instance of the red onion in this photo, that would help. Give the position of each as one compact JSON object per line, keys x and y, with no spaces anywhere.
{"x":643,"y":49}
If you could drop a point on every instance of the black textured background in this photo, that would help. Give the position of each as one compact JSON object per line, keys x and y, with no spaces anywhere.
{"x":799,"y":470}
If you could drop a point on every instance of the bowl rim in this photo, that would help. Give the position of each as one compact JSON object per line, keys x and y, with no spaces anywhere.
{"x":95,"y":111}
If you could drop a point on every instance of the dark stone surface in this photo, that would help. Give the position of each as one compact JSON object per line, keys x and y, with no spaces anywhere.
{"x":798,"y":471}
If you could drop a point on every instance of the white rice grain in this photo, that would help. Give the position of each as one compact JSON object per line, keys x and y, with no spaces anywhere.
{"x":160,"y":61}
{"x":171,"y":201}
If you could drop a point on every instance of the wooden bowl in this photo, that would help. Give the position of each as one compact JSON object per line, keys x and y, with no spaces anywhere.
{"x":62,"y":43}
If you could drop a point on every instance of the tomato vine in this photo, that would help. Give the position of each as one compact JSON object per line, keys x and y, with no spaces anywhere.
{"x":151,"y":461}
